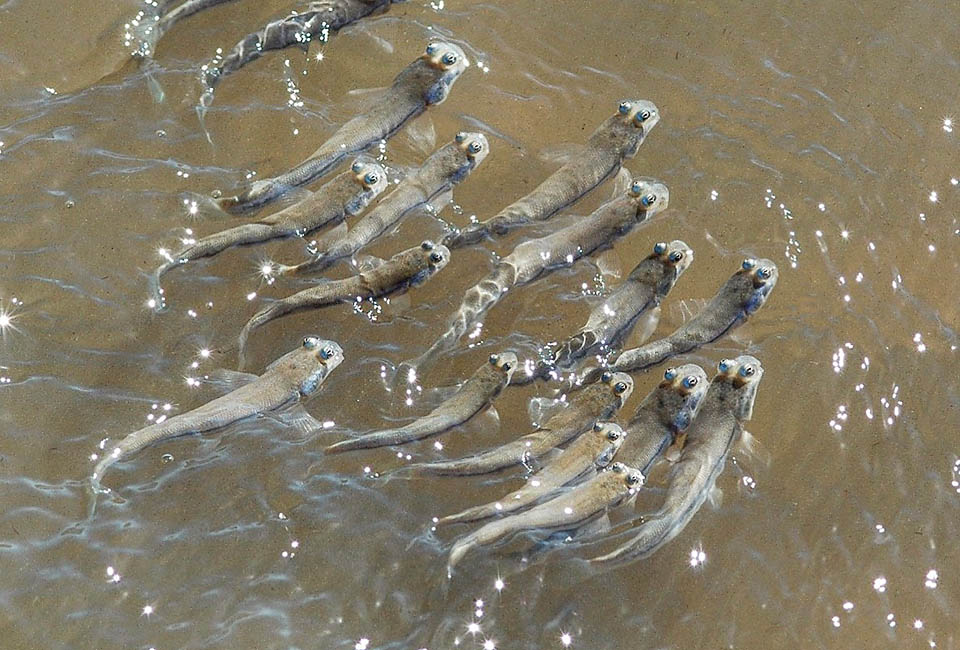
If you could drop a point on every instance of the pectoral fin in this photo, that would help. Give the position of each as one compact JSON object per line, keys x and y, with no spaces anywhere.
{"x":228,"y":380}
{"x":296,"y":417}
{"x":596,"y":528}
{"x":561,"y":154}
{"x":422,"y":135}
{"x":622,"y":182}
{"x":364,"y":263}
{"x":672,"y":453}
{"x":541,"y":409}
{"x":609,"y":263}
{"x":715,"y":497}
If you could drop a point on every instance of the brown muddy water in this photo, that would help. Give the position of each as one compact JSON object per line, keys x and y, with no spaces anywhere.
{"x":822,"y":135}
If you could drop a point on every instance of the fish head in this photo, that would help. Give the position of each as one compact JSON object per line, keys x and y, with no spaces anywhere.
{"x":680,"y":394}
{"x":633,"y":478}
{"x":620,"y":383}
{"x":611,"y":436}
{"x":505,"y":362}
{"x":649,"y":195}
{"x":663,"y":266}
{"x":448,"y":62}
{"x":473,"y":145}
{"x":369,"y":174}
{"x":433,"y":256}
{"x":736,"y":384}
{"x":753,"y":282}
{"x":323,"y":357}
{"x":640,"y":115}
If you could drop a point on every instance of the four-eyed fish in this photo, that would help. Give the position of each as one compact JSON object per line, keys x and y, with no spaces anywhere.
{"x":475,"y":394}
{"x":599,"y":401}
{"x":446,"y":167}
{"x":532,"y":258}
{"x":425,"y":82}
{"x":318,"y":20}
{"x":294,"y":376}
{"x":346,"y":194}
{"x":591,"y":451}
{"x":727,"y":405}
{"x":406,"y":269}
{"x":743,"y":294}
{"x":616,"y":139}
{"x":574,"y":509}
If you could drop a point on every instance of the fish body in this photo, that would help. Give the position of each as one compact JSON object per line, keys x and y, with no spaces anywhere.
{"x":405,"y":269}
{"x":346,"y":194}
{"x":597,"y":402}
{"x":617,"y":139}
{"x":572,"y":509}
{"x":425,"y":82}
{"x":445,"y":168}
{"x":475,"y":394}
{"x":726,"y":406}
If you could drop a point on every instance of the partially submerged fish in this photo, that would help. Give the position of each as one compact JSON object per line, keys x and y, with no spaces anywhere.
{"x":346,"y":194}
{"x":596,"y":402}
{"x":617,"y":139}
{"x":425,"y":82}
{"x":727,"y":405}
{"x":589,"y":452}
{"x":445,"y":168}
{"x":294,"y":376}
{"x":742,"y":295}
{"x":317,"y":21}
{"x":407,"y":268}
{"x":475,"y":394}
{"x":573,"y":509}
{"x":532,"y":258}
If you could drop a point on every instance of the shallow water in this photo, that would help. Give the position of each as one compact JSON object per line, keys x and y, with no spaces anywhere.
{"x":818,"y":135}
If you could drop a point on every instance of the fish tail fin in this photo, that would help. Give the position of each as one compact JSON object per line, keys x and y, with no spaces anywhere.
{"x":259,"y":319}
{"x":576,"y":347}
{"x":155,"y":288}
{"x":95,"y":487}
{"x":319,"y":263}
{"x":460,"y":548}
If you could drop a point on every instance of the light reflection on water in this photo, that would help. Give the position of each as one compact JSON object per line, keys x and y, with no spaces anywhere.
{"x":821,"y":137}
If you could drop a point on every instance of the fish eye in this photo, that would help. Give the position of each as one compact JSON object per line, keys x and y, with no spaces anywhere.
{"x":493,"y":359}
{"x":436,"y":257}
{"x":326,"y":353}
{"x":764,"y":273}
{"x":659,"y":248}
{"x":747,"y":371}
{"x":625,"y":107}
{"x":648,"y":200}
{"x":749,"y":263}
{"x":357,"y":167}
{"x":507,"y":366}
{"x":431,"y":48}
{"x":310,"y":342}
{"x":676,"y":256}
{"x":449,"y":58}
{"x":620,"y":388}
{"x":427,"y":245}
{"x":724,"y":365}
{"x":606,"y":376}
{"x":670,"y":374}
{"x":597,"y":426}
{"x":460,"y":137}
{"x":617,"y":467}
{"x":613,"y":435}
{"x":643,"y":116}
{"x":690,"y":381}
{"x":474,"y":147}
{"x":636,"y":188}
{"x":633,"y":478}
{"x":371,"y":178}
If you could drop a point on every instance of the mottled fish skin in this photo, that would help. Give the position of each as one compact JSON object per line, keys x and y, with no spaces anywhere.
{"x":297,"y":374}
{"x":617,"y":139}
{"x":425,"y":82}
{"x":664,"y":416}
{"x":597,"y":402}
{"x":610,"y":321}
{"x":570,"y":510}
{"x":405,"y":269}
{"x":445,"y":168}
{"x":346,"y":194}
{"x":532,"y":258}
{"x":726,"y":406}
{"x":742,"y":295}
{"x":475,"y":394}
{"x":589,"y":452}
{"x":319,"y":20}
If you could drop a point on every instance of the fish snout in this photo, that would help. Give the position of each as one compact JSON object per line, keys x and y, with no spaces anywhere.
{"x":327,"y":352}
{"x":370,"y":174}
{"x":642,"y":113}
{"x":474,"y":145}
{"x":446,"y":56}
{"x":652,"y":195}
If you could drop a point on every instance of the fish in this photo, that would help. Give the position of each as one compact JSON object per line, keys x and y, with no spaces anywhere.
{"x":475,"y":394}
{"x":643,"y":290}
{"x":406,"y":269}
{"x":293,"y":377}
{"x":597,"y":402}
{"x":532,"y":258}
{"x":727,"y":405}
{"x":617,"y":139}
{"x":318,"y":21}
{"x":445,"y":168}
{"x":744,"y":293}
{"x":425,"y":82}
{"x":589,"y":452}
{"x":346,"y":194}
{"x":573,"y":509}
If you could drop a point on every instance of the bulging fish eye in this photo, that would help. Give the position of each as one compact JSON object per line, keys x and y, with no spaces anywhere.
{"x":690,"y":381}
{"x":670,"y":374}
{"x":648,"y":200}
{"x":310,"y":342}
{"x":493,"y":359}
{"x":326,"y":353}
{"x":606,"y":376}
{"x":436,"y":257}
{"x":613,"y":435}
{"x":432,"y":48}
{"x":357,"y":167}
{"x":764,"y":273}
{"x":676,"y":256}
{"x":474,"y":147}
{"x":634,"y":478}
{"x":427,"y":245}
{"x":460,"y":137}
{"x":507,"y":366}
{"x":749,"y":263}
{"x":625,"y":107}
{"x":620,"y":387}
{"x":724,"y":365}
{"x":643,"y":116}
{"x":617,"y":467}
{"x":597,"y":426}
{"x":636,"y":188}
{"x":371,"y":178}
{"x":660,"y":248}
{"x":748,"y":371}
{"x":449,"y":58}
